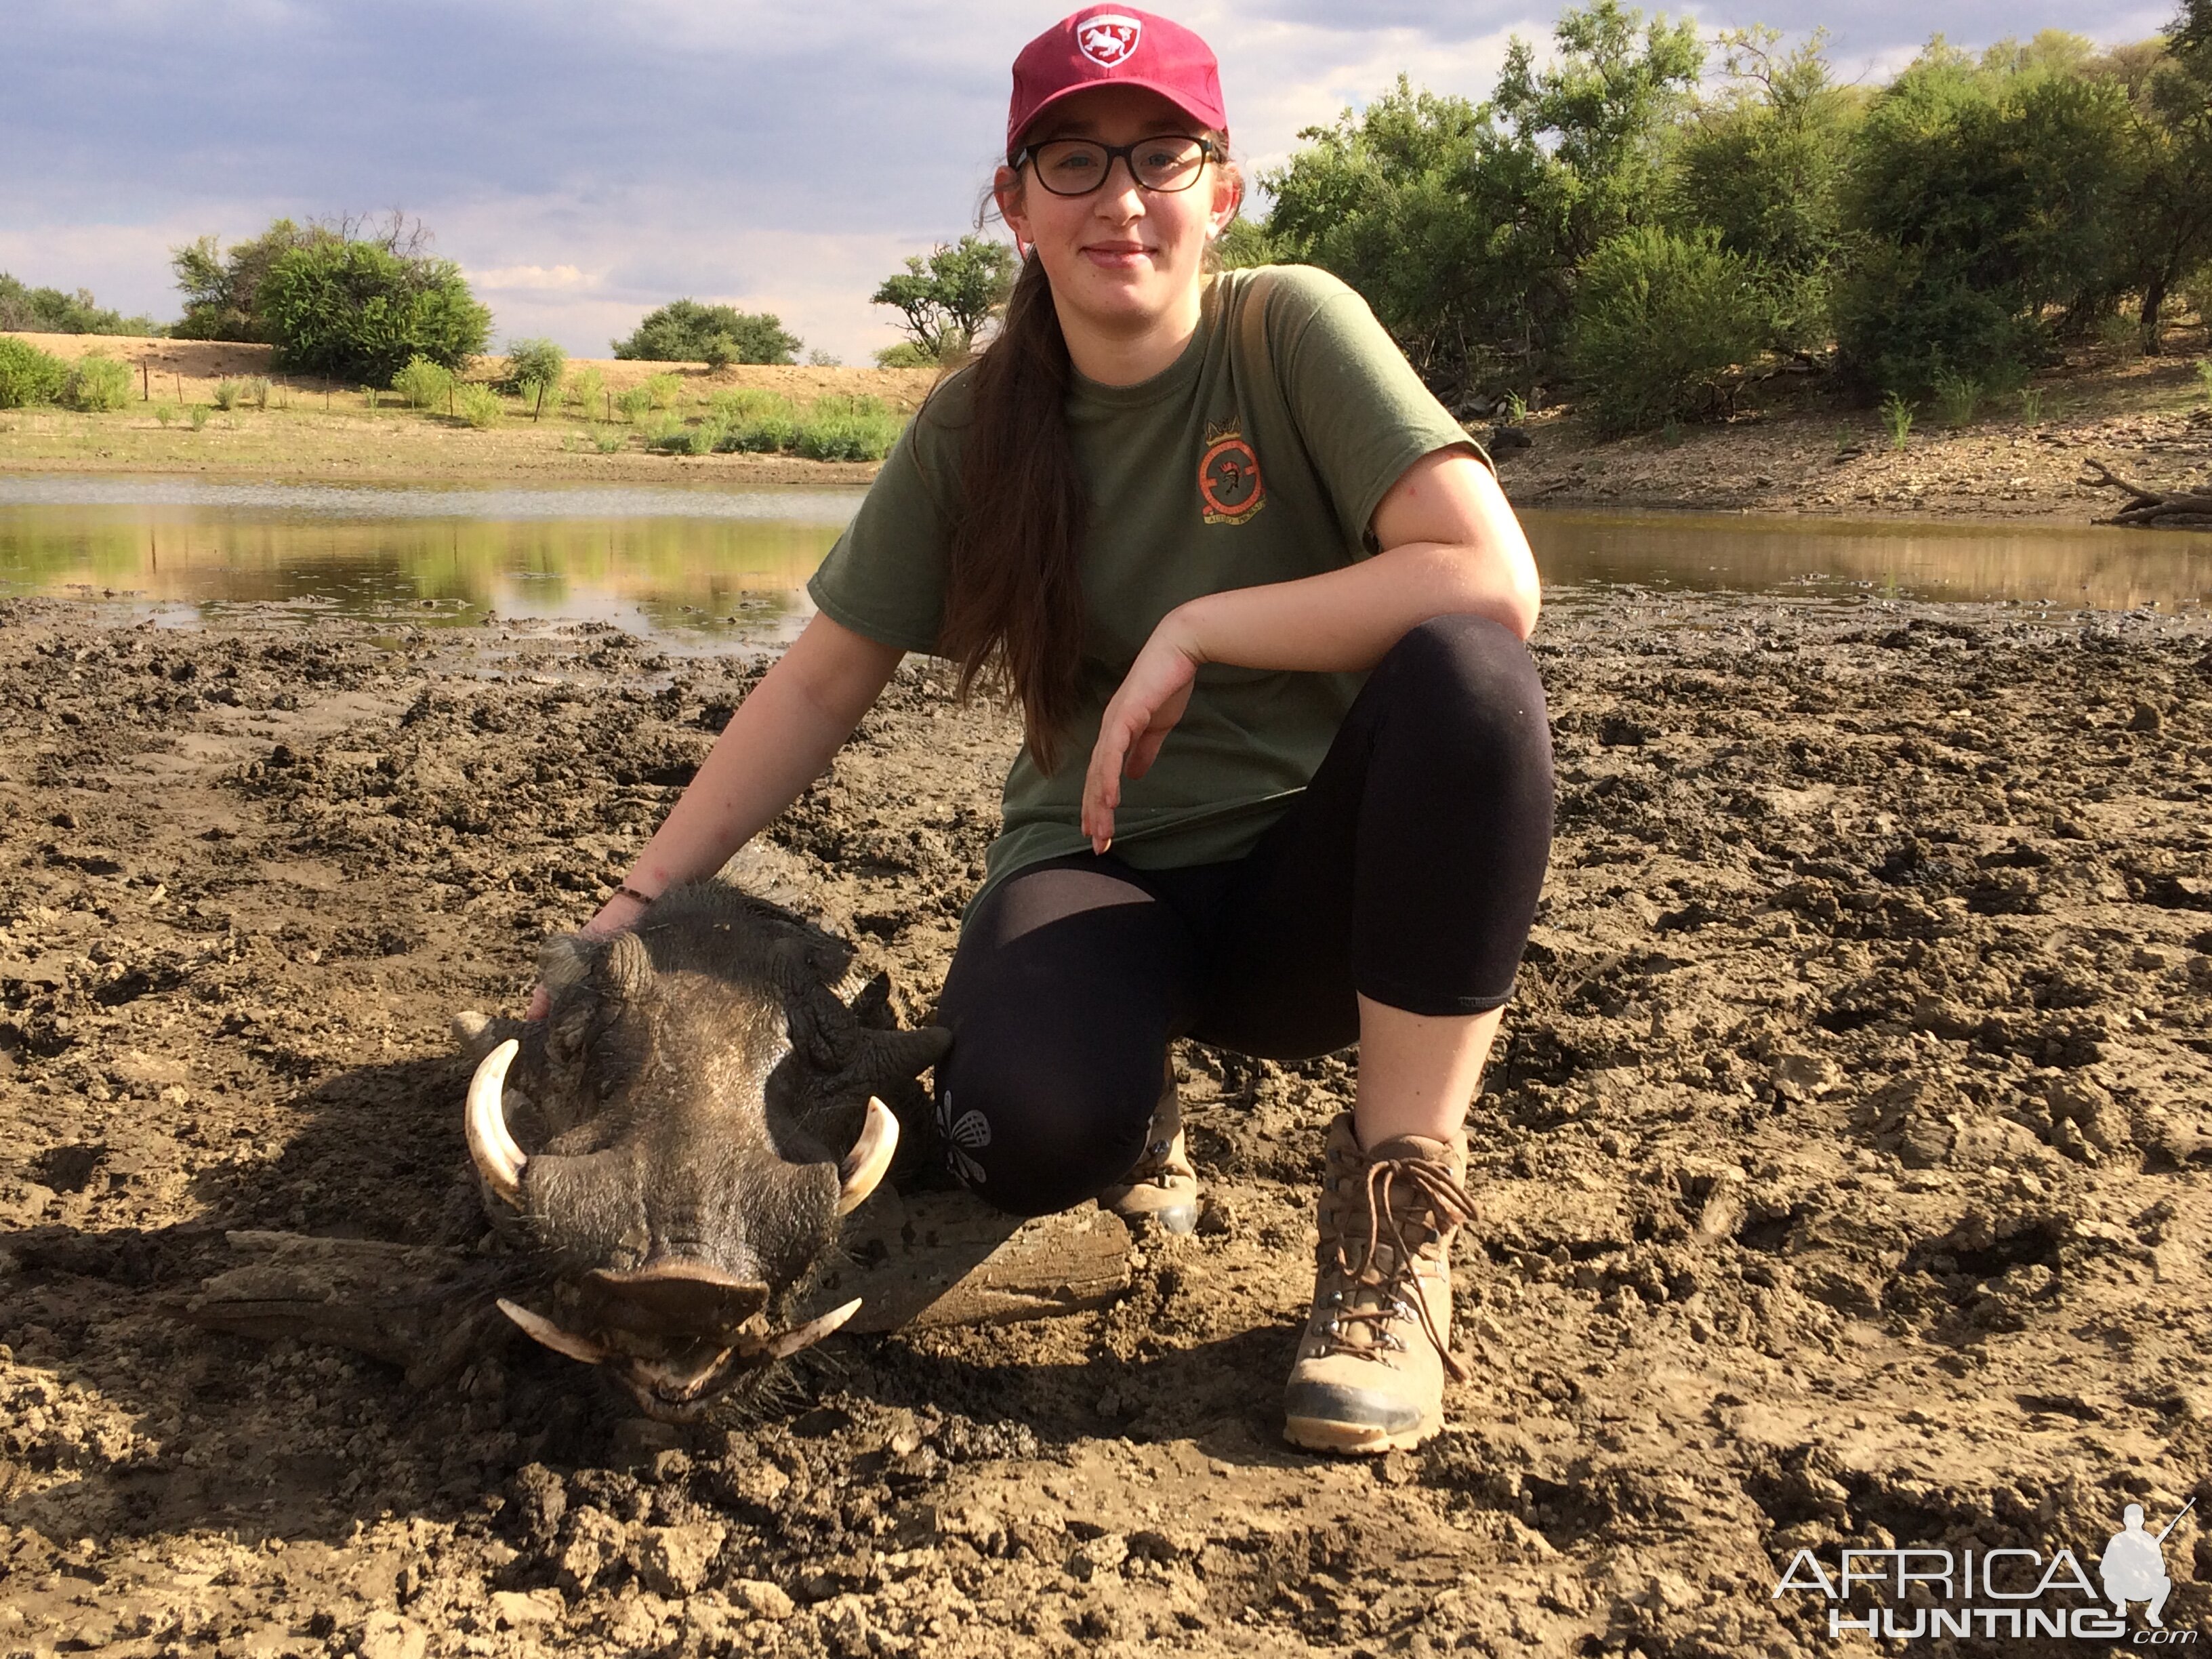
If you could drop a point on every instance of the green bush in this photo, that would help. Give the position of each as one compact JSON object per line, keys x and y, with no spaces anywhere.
{"x":1659,"y":318}
{"x":632,"y":402}
{"x":907,"y":355}
{"x":607,"y":441}
{"x":165,"y":413}
{"x":2196,"y":295}
{"x":718,"y":353}
{"x":588,"y":386}
{"x":28,"y":375}
{"x":537,"y":394}
{"x":536,"y":362}
{"x":226,"y":395}
{"x":663,"y":389}
{"x":1957,"y":398}
{"x":676,"y":439}
{"x":423,"y":384}
{"x":681,"y":332}
{"x":2122,"y":336}
{"x":356,"y":311}
{"x":763,"y":434}
{"x":197,"y":415}
{"x":100,"y":384}
{"x":1897,"y":415}
{"x":830,"y":434}
{"x":747,"y":401}
{"x":479,"y":405}
{"x":1983,"y":199}
{"x":255,"y":391}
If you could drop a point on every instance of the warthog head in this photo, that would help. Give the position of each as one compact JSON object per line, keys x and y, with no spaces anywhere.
{"x":683,"y":1132}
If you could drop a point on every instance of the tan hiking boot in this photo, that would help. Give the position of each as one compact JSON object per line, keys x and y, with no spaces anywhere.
{"x":1370,"y":1370}
{"x":1160,"y":1188}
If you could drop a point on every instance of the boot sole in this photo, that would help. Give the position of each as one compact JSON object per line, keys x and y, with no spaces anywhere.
{"x":1320,"y":1434}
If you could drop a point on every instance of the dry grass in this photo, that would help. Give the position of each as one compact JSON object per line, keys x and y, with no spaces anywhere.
{"x":315,"y":428}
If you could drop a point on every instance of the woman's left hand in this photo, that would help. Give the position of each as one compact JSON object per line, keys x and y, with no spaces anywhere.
{"x":1151,"y":699}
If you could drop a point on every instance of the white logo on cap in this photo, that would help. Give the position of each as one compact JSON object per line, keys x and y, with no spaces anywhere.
{"x":1108,"y":39}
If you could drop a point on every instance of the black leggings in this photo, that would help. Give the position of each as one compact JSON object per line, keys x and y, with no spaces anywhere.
{"x":1407,"y":872}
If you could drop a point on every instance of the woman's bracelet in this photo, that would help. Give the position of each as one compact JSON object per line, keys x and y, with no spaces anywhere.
{"x":627,"y":892}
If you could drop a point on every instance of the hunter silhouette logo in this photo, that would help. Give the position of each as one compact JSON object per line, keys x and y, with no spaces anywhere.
{"x":2133,"y":1565}
{"x":1108,"y":39}
{"x":1229,"y":479}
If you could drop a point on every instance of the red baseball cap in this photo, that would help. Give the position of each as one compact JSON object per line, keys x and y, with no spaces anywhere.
{"x":1115,"y":46}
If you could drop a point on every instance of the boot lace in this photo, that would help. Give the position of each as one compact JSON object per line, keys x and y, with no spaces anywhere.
{"x":1434,"y":1204}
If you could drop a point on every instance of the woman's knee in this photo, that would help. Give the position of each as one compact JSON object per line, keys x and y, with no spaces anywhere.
{"x":1030,"y":1138}
{"x":1471,"y":678}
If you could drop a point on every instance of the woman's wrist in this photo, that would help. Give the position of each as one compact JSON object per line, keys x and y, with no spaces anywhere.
{"x":623,"y":907}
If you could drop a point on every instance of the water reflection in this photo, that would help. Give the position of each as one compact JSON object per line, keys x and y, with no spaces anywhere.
{"x":2091,"y":567}
{"x":696,"y":567}
{"x":700,"y":568}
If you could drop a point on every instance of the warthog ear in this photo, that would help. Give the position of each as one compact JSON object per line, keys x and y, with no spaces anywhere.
{"x":627,"y":968}
{"x":673,"y":1295}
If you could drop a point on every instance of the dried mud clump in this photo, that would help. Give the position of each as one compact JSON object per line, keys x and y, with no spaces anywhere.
{"x":1844,"y":1169}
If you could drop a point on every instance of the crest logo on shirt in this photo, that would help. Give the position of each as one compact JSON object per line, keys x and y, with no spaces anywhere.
{"x":1108,"y":39}
{"x":1229,"y":480}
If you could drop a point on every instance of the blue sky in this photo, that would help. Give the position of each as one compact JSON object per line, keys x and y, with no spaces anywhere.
{"x":585,"y":161}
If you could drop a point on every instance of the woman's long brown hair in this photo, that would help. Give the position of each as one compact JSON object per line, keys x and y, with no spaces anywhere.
{"x":1013,"y":593}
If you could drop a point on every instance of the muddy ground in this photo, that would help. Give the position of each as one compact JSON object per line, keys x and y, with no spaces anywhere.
{"x":1845,"y":1169}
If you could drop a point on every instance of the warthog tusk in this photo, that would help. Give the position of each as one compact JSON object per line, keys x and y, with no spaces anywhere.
{"x":497,"y":1157}
{"x":870,"y":1155}
{"x":807,"y":1335}
{"x":542,"y":1329}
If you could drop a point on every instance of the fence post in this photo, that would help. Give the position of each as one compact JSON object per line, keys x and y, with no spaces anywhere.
{"x":145,"y":384}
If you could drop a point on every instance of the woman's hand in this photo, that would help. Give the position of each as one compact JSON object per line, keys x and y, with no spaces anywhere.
{"x":1151,"y":699}
{"x":619,"y":911}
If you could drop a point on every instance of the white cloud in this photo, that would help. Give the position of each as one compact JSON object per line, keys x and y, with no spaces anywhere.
{"x":530,"y":279}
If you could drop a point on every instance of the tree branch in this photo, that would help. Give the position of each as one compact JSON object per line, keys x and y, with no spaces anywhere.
{"x":2150,"y":509}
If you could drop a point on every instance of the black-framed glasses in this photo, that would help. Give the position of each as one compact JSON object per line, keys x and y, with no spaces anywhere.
{"x":1076,"y":167}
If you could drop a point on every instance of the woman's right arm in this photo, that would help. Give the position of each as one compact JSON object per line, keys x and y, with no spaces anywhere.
{"x":779,"y":741}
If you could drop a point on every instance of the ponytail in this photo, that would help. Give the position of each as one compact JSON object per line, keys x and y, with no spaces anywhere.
{"x":1013,"y":600}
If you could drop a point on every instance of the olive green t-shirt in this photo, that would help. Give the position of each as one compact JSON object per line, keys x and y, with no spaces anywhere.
{"x":1260,"y":455}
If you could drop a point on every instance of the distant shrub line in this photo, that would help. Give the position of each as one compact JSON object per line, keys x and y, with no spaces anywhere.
{"x":1615,"y":224}
{"x":836,"y":428}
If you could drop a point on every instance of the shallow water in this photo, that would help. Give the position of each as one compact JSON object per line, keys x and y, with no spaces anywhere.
{"x":699,"y":568}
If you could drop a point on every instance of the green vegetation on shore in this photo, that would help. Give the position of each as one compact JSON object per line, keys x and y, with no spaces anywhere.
{"x":94,"y":383}
{"x":1612,"y":225}
{"x":686,"y":332}
{"x":348,"y":299}
{"x":24,"y":310}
